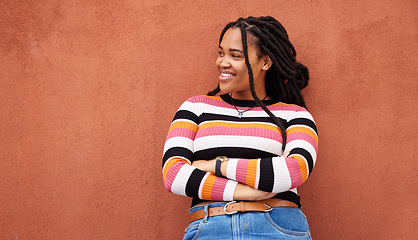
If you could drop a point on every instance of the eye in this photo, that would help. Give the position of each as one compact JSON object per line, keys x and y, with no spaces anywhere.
{"x":236,"y":56}
{"x":220,"y":53}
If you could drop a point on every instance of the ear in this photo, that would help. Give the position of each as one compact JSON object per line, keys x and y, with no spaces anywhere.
{"x":267,"y":63}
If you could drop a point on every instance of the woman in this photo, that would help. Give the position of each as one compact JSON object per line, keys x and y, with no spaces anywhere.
{"x":241,"y":158}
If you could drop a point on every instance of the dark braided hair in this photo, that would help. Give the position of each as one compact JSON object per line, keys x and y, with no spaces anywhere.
{"x":286,"y":77}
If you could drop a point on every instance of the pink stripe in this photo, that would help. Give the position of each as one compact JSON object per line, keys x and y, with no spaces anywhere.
{"x":241,"y":172}
{"x":305,"y":137}
{"x":209,"y":101}
{"x":232,"y":131}
{"x":294,"y":171}
{"x":279,"y":107}
{"x":218,"y":102}
{"x":181,"y":132}
{"x":171,"y":174}
{"x":218,"y":189}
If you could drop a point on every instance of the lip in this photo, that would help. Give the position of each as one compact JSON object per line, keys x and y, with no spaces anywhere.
{"x":226,"y":78}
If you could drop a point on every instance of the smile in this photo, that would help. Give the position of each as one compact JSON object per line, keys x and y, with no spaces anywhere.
{"x":227,"y":75}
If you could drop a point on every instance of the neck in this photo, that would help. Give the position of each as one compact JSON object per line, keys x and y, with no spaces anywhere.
{"x":248,"y":96}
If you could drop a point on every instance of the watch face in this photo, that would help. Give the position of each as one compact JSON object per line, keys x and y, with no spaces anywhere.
{"x":222,"y":158}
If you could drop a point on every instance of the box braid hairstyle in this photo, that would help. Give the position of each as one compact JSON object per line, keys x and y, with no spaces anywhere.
{"x":286,"y":77}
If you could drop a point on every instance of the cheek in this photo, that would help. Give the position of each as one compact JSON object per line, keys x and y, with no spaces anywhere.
{"x":242,"y":69}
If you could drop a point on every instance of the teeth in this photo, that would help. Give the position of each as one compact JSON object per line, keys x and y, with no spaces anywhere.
{"x":227,"y":75}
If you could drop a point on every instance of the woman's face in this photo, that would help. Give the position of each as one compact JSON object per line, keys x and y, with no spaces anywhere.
{"x":233,"y":76}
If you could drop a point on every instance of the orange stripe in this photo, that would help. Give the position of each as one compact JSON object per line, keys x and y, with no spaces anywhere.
{"x":308,"y":131}
{"x":207,"y":187}
{"x":170,"y":163}
{"x":251,"y":172}
{"x":183,"y":124}
{"x":284,"y":104}
{"x":213,"y":97}
{"x":239,"y":125}
{"x":302,"y":167}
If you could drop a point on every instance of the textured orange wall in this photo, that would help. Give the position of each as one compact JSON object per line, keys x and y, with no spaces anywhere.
{"x":88,"y":90}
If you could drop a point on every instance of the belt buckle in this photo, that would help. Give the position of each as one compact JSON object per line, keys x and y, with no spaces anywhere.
{"x":229,"y":213}
{"x":270,"y":208}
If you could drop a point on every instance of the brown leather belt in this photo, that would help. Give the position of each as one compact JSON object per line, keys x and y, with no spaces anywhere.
{"x":242,"y":206}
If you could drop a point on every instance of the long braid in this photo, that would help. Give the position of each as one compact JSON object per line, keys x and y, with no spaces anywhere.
{"x":286,"y":77}
{"x":253,"y":93}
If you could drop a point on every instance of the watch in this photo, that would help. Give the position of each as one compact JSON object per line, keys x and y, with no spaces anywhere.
{"x":219,"y":161}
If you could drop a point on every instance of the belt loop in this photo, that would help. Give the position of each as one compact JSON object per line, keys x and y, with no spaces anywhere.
{"x":242,"y":206}
{"x":205,"y":208}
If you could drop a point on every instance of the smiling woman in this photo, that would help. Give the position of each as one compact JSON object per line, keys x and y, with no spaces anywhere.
{"x":232,"y":147}
{"x":234,"y":73}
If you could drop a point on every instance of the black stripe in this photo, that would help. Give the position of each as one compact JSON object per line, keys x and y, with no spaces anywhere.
{"x":193,"y":184}
{"x":289,"y":196}
{"x":266,"y":175}
{"x":177,"y":151}
{"x":303,"y":121}
{"x":306,"y":155}
{"x":184,"y":114}
{"x":245,"y":103}
{"x":232,"y":152}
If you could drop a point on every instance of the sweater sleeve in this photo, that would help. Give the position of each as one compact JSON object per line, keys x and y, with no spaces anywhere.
{"x":178,"y":174}
{"x":282,"y":173}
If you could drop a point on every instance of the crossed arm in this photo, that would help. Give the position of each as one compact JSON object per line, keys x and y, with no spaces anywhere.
{"x":242,"y":191}
{"x":261,"y":179}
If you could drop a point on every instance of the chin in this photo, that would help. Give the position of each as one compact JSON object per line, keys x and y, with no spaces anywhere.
{"x":224,"y":89}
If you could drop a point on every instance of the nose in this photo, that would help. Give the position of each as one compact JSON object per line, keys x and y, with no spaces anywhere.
{"x":223,"y":62}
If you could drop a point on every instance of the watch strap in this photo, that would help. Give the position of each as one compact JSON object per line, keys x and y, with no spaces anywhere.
{"x":218,"y":172}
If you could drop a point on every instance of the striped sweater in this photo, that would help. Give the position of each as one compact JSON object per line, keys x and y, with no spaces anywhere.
{"x":205,"y":127}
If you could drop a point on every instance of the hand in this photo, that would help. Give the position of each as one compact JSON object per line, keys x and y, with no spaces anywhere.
{"x":205,"y":165}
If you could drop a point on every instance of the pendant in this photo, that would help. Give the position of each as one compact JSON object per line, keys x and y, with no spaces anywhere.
{"x":240,"y":114}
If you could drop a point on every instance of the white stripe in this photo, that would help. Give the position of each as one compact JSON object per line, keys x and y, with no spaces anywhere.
{"x":183,"y":120}
{"x":222,"y":110}
{"x":178,"y":142}
{"x":231,"y":168}
{"x":229,"y":190}
{"x":302,"y":114}
{"x":237,"y":124}
{"x":201,"y":185}
{"x":180,"y":181}
{"x":257,"y":176}
{"x":282,"y":180}
{"x":258,"y":143}
{"x":191,"y":107}
{"x":302,"y":144}
{"x":283,"y":114}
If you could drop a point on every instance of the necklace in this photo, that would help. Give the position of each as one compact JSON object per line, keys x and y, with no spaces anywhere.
{"x":240,"y":113}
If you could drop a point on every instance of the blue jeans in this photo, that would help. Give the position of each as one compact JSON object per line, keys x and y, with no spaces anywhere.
{"x":279,"y":223}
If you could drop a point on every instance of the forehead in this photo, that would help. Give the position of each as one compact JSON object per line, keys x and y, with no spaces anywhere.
{"x":232,"y":39}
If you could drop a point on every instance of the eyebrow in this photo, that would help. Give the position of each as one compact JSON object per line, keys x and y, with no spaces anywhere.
{"x":232,"y":49}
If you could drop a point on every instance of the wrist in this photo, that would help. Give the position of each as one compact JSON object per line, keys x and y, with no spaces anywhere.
{"x":224,"y":167}
{"x":220,"y":168}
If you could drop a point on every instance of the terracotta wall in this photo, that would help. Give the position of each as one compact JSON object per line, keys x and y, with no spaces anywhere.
{"x":88,"y":90}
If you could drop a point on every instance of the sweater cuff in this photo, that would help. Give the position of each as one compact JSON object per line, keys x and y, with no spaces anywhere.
{"x":229,"y":191}
{"x":231,"y":169}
